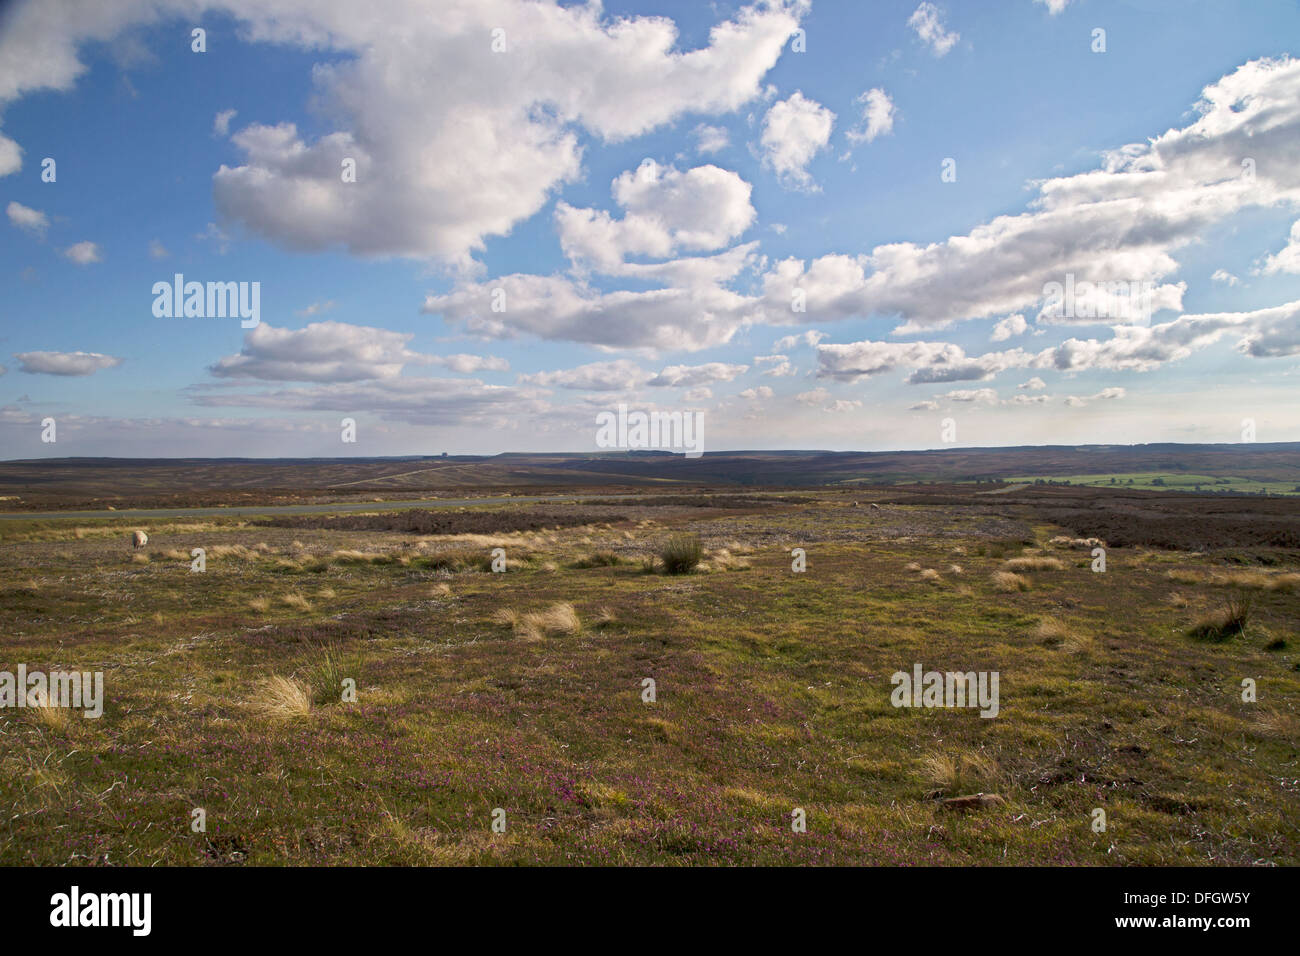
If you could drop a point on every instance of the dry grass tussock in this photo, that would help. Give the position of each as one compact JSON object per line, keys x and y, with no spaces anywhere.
{"x":1032,"y":563}
{"x":282,"y":698}
{"x":962,"y":773}
{"x":1007,"y":582}
{"x":560,"y":618}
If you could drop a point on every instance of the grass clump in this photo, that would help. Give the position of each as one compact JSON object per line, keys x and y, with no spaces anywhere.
{"x":1226,"y":621}
{"x":1009,"y":583}
{"x":282,"y":698}
{"x":681,"y":554}
{"x":1033,"y":563}
{"x":597,"y":559}
{"x":324,"y":677}
{"x":557,"y":619}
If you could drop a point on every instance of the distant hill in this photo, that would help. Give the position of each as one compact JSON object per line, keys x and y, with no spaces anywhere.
{"x":62,"y":482}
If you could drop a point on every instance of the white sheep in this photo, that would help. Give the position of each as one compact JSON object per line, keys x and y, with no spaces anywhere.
{"x":139,"y":540}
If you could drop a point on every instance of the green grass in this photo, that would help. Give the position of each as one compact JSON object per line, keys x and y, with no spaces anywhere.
{"x":772,"y":692}
{"x":1169,"y":481}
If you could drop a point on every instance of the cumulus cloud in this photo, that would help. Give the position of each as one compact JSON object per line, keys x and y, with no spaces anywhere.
{"x":319,"y":352}
{"x":780,"y":365}
{"x":617,"y":376}
{"x":927,"y":21}
{"x":83,"y":253}
{"x":24,"y":217}
{"x":811,"y":337}
{"x":453,"y":142}
{"x":1223,"y":275}
{"x":1119,"y":223}
{"x":64,"y":363}
{"x":710,"y":139}
{"x":979,"y":396}
{"x":675,"y":376}
{"x":11,"y":156}
{"x":930,"y":361}
{"x":467,"y":364}
{"x":1054,"y":6}
{"x":665,"y":211}
{"x":794,"y":131}
{"x":1006,"y":328}
{"x":877,"y":116}
{"x":694,"y":311}
{"x":1078,"y":401}
{"x":1288,"y":259}
{"x":1033,"y":385}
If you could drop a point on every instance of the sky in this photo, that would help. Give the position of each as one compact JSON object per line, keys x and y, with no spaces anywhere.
{"x":474,"y":226}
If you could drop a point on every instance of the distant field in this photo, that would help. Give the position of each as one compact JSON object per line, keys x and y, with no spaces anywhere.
{"x":1170,"y":481}
{"x":523,"y":691}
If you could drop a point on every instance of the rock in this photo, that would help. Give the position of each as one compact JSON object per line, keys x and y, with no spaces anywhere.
{"x":975,"y":801}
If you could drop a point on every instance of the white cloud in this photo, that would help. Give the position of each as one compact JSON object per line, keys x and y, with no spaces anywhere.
{"x":11,"y":156}
{"x":467,"y":364}
{"x":781,"y":366}
{"x":1033,"y":385}
{"x":316,"y":308}
{"x":794,"y":131}
{"x":24,"y":217}
{"x":929,"y":361}
{"x":711,"y":139}
{"x":761,"y":393}
{"x":927,"y":21}
{"x":1121,"y":222}
{"x":64,"y":363}
{"x":157,"y":250}
{"x":1286,"y":260}
{"x":694,"y":312}
{"x":978,"y":396}
{"x":1054,"y":6}
{"x":1011,"y":325}
{"x":811,"y":337}
{"x":677,"y":376}
{"x":221,"y":122}
{"x":1223,"y":275}
{"x":320,"y":352}
{"x":877,"y":117}
{"x":453,"y":142}
{"x":665,"y":210}
{"x":1078,"y":401}
{"x":83,"y":253}
{"x":617,"y":376}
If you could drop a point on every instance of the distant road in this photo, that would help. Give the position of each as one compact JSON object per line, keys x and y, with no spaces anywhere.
{"x":244,"y":510}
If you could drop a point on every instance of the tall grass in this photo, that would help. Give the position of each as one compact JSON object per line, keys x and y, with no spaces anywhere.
{"x":1226,"y":621}
{"x":681,"y":554}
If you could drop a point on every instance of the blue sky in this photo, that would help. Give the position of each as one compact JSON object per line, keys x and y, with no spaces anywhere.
{"x":647,"y":184}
